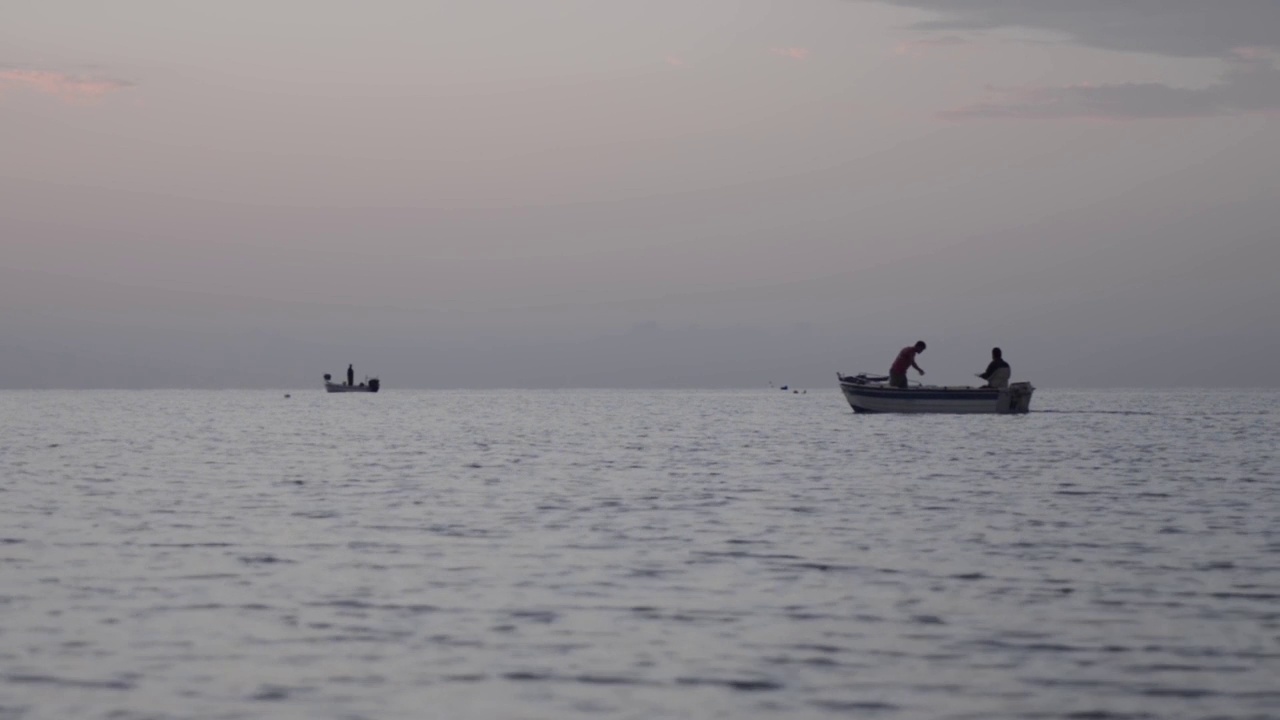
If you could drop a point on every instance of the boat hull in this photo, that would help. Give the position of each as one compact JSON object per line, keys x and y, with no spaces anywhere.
{"x":867,"y":397}
{"x":338,"y":388}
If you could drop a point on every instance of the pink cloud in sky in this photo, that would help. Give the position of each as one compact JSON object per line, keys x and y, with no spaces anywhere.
{"x":675,"y":61}
{"x":1254,"y":54}
{"x":69,"y":88}
{"x":792,"y":53}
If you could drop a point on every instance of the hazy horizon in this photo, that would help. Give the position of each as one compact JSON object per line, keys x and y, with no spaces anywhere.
{"x":572,"y":194}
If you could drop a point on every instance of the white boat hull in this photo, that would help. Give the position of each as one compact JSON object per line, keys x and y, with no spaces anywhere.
{"x":875,"y":397}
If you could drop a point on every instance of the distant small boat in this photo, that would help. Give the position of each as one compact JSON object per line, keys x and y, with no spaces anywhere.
{"x":370,"y":385}
{"x":872,"y":394}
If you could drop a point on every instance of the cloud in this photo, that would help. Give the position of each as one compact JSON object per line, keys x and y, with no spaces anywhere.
{"x":1178,"y":28}
{"x":675,"y":61}
{"x":1241,"y":33}
{"x":925,"y":45}
{"x":1250,"y":85}
{"x":69,"y":88}
{"x":793,"y":53}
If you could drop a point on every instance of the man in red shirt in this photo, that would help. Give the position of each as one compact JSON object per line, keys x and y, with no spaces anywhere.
{"x":906,"y":359}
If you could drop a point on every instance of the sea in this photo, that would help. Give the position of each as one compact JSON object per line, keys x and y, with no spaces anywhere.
{"x":636,"y":554}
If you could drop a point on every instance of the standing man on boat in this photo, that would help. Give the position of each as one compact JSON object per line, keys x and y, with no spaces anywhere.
{"x":997,"y":374}
{"x":906,"y":359}
{"x":351,"y":375}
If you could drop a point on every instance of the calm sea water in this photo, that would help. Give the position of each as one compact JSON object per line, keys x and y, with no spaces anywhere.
{"x":637,"y":554}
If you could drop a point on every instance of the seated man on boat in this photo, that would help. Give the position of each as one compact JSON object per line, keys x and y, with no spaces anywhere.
{"x":997,"y":374}
{"x":906,"y":359}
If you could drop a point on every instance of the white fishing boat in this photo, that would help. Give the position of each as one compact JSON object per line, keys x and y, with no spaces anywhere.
{"x":872,"y":394}
{"x":370,"y":385}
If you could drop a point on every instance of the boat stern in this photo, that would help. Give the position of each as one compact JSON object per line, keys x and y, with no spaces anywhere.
{"x":1016,"y":398}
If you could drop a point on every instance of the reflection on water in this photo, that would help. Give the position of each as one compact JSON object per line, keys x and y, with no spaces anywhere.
{"x":635,"y":555}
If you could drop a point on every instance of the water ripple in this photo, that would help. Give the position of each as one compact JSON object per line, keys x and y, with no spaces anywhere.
{"x":636,"y":554}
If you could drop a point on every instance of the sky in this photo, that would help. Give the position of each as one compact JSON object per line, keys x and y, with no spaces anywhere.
{"x":575,"y":193}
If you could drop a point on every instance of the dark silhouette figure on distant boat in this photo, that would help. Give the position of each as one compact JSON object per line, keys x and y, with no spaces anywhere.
{"x":906,"y":359}
{"x":351,"y":376}
{"x":997,"y":374}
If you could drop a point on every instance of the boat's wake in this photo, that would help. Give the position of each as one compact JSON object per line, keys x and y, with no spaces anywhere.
{"x":1099,"y":412}
{"x":1153,"y":413}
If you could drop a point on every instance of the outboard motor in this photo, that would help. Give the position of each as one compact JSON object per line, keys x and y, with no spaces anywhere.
{"x":1020,"y":397}
{"x":373,"y":385}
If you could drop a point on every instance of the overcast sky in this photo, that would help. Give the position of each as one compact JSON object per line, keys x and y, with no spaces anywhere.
{"x":657,"y":193}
